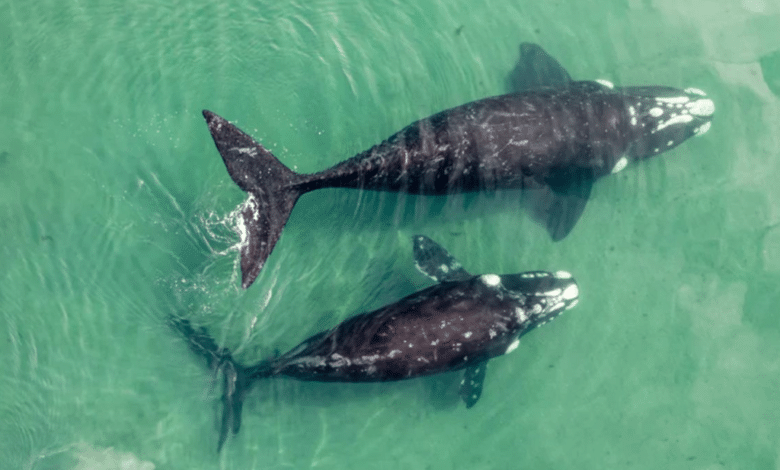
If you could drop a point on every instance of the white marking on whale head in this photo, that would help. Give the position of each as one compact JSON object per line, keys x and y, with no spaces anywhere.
{"x":675,"y":119}
{"x":606,"y":83}
{"x":702,"y":107}
{"x":619,"y":165}
{"x":512,"y":346}
{"x":562,"y":275}
{"x":467,"y":334}
{"x":491,"y":280}
{"x":571,"y":293}
{"x":703,"y":128}
{"x":662,"y":100}
{"x":655,"y":112}
{"x":695,"y":91}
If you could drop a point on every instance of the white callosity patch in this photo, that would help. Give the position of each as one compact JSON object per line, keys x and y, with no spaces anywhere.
{"x":606,"y":83}
{"x":491,"y":280}
{"x":695,"y":91}
{"x":682,"y":110}
{"x":619,"y":165}
{"x":571,"y":292}
{"x":512,"y":346}
{"x":553,"y":293}
{"x":703,"y":128}
{"x":562,"y":275}
{"x":702,"y":107}
{"x":536,"y":274}
{"x":522,"y":317}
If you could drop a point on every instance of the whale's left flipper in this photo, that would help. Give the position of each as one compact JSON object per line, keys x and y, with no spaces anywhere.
{"x":438,"y":264}
{"x":536,"y":69}
{"x":471,"y":385}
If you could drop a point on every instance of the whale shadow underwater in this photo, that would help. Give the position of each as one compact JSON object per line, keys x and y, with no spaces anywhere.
{"x":458,"y":324}
{"x":553,"y":135}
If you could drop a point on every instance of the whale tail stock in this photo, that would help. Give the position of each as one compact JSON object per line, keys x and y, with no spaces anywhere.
{"x":273,"y":188}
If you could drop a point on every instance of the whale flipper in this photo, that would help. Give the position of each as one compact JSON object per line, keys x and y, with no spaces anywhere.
{"x":436,"y":262}
{"x":536,"y":69}
{"x":560,"y":203}
{"x":471,"y":385}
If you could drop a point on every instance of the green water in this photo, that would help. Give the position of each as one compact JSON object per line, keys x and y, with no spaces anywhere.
{"x":115,"y":212}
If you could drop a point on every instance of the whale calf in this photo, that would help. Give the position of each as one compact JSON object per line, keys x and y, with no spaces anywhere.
{"x":556,"y":136}
{"x":459,"y":323}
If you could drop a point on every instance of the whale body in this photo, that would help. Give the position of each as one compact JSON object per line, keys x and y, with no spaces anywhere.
{"x":459,"y":323}
{"x":556,"y":136}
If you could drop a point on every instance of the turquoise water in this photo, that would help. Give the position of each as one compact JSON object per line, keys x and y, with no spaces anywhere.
{"x":115,"y":212}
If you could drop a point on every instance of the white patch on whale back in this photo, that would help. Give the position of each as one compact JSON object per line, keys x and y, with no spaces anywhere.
{"x":562,"y":275}
{"x":467,"y":334}
{"x":632,"y":113}
{"x":444,"y":268}
{"x":619,"y":165}
{"x":512,"y":346}
{"x":655,"y":112}
{"x":606,"y":83}
{"x":491,"y":280}
{"x":521,"y":317}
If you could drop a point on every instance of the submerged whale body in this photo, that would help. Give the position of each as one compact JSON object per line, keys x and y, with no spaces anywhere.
{"x":459,"y":323}
{"x":555,"y":136}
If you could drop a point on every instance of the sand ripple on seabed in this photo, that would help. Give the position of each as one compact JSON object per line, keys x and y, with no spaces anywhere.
{"x":89,"y":457}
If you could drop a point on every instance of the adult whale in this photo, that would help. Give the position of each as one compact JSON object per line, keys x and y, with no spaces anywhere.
{"x":459,"y":323}
{"x":556,"y":137}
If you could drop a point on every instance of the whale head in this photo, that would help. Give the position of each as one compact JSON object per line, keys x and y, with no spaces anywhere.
{"x":661,"y":118}
{"x":541,"y":295}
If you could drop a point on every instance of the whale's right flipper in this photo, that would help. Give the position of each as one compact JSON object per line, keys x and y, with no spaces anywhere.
{"x":559,"y":205}
{"x":435,"y":262}
{"x":471,"y":385}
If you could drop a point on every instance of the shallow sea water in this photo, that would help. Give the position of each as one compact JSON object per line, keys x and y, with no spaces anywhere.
{"x":115,"y":211}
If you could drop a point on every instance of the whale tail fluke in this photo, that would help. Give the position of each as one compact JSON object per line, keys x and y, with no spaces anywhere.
{"x":236,"y":380}
{"x":273,"y":191}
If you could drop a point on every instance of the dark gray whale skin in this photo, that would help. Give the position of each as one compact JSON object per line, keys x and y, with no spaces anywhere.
{"x":552,"y":135}
{"x":459,"y":323}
